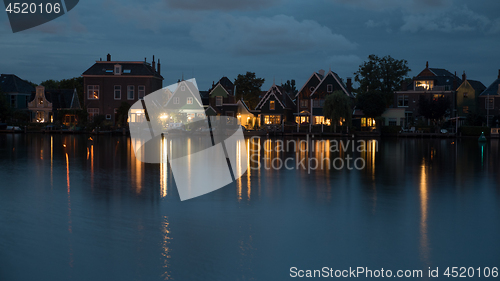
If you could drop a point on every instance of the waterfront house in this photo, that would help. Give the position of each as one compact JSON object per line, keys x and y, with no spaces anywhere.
{"x":430,"y":83}
{"x":46,"y":106}
{"x":107,"y":84}
{"x":17,"y":91}
{"x":276,"y":106}
{"x":489,"y":101}
{"x":467,"y":95}
{"x":311,"y":97}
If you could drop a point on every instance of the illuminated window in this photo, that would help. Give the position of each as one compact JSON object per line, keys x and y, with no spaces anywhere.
{"x":436,"y":97}
{"x":424,"y":85}
{"x":93,"y":92}
{"x":40,"y":100}
{"x":141,"y":92}
{"x":189,"y":100}
{"x":272,"y":119}
{"x":118,"y":92}
{"x":130,"y":92}
{"x":367,"y":122}
{"x":271,"y":105}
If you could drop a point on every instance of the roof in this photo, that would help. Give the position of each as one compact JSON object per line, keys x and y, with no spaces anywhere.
{"x":278,"y":92}
{"x":477,"y":85}
{"x":337,"y":79}
{"x":441,"y":77}
{"x":493,"y":89}
{"x":132,"y":68}
{"x":10,"y":83}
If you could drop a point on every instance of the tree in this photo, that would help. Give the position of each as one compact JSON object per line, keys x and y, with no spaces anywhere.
{"x":122,"y":114}
{"x":337,"y":108}
{"x":248,"y":88}
{"x":381,"y":76}
{"x":290,"y":88}
{"x":72,"y":83}
{"x":372,"y":104}
{"x":474,"y":119}
{"x":433,"y":109}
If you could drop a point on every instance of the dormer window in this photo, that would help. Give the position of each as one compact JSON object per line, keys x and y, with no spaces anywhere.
{"x":271,"y":105}
{"x":118,"y":69}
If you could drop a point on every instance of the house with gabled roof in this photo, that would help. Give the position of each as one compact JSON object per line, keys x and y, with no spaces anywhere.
{"x":430,"y":83}
{"x":17,"y":90}
{"x":311,"y":97}
{"x":276,"y":106}
{"x":185,"y":101}
{"x":467,"y":95}
{"x":489,"y":101}
{"x":107,"y":84}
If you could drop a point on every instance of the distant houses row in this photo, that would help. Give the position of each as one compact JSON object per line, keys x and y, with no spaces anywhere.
{"x":107,"y":84}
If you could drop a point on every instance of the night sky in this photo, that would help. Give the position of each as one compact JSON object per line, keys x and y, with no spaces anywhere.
{"x":276,"y":39}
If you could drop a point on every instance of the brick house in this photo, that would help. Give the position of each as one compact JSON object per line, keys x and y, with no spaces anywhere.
{"x":431,"y":83}
{"x":107,"y":84}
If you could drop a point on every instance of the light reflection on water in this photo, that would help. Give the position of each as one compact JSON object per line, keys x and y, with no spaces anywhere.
{"x":416,"y":203}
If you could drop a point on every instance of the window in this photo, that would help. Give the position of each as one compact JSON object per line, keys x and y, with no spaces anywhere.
{"x":218,"y":101}
{"x":118,"y":92}
{"x":436,"y":97}
{"x":303,"y":103}
{"x":189,"y":100}
{"x":367,"y":122}
{"x":329,"y":88}
{"x":108,"y":116}
{"x":272,"y":119}
{"x":465,"y":109}
{"x":176,"y":100}
{"x":126,"y":71}
{"x":40,"y":100}
{"x":490,"y":103}
{"x":271,"y":105}
{"x":183,"y":88}
{"x":424,"y":85}
{"x":393,"y":121}
{"x":93,"y":112}
{"x":93,"y":92}
{"x":13,"y":101}
{"x":118,"y":69}
{"x":402,"y":100}
{"x":466,"y":94}
{"x":141,"y":92}
{"x":130,"y":92}
{"x":311,"y":89}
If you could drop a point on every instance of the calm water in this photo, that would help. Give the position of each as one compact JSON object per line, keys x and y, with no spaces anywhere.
{"x":91,"y":211}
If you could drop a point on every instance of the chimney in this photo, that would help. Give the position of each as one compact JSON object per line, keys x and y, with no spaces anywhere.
{"x":321,"y":72}
{"x":499,"y":74}
{"x":153,"y":64}
{"x":108,"y":57}
{"x":349,"y":85}
{"x":100,"y":59}
{"x":464,"y":77}
{"x":159,"y":67}
{"x":427,"y":64}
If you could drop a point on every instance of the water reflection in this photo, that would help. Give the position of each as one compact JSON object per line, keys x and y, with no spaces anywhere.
{"x":424,"y":240}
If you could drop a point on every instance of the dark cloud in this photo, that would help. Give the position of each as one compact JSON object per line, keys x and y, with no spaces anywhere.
{"x":223,"y":5}
{"x":267,"y":35}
